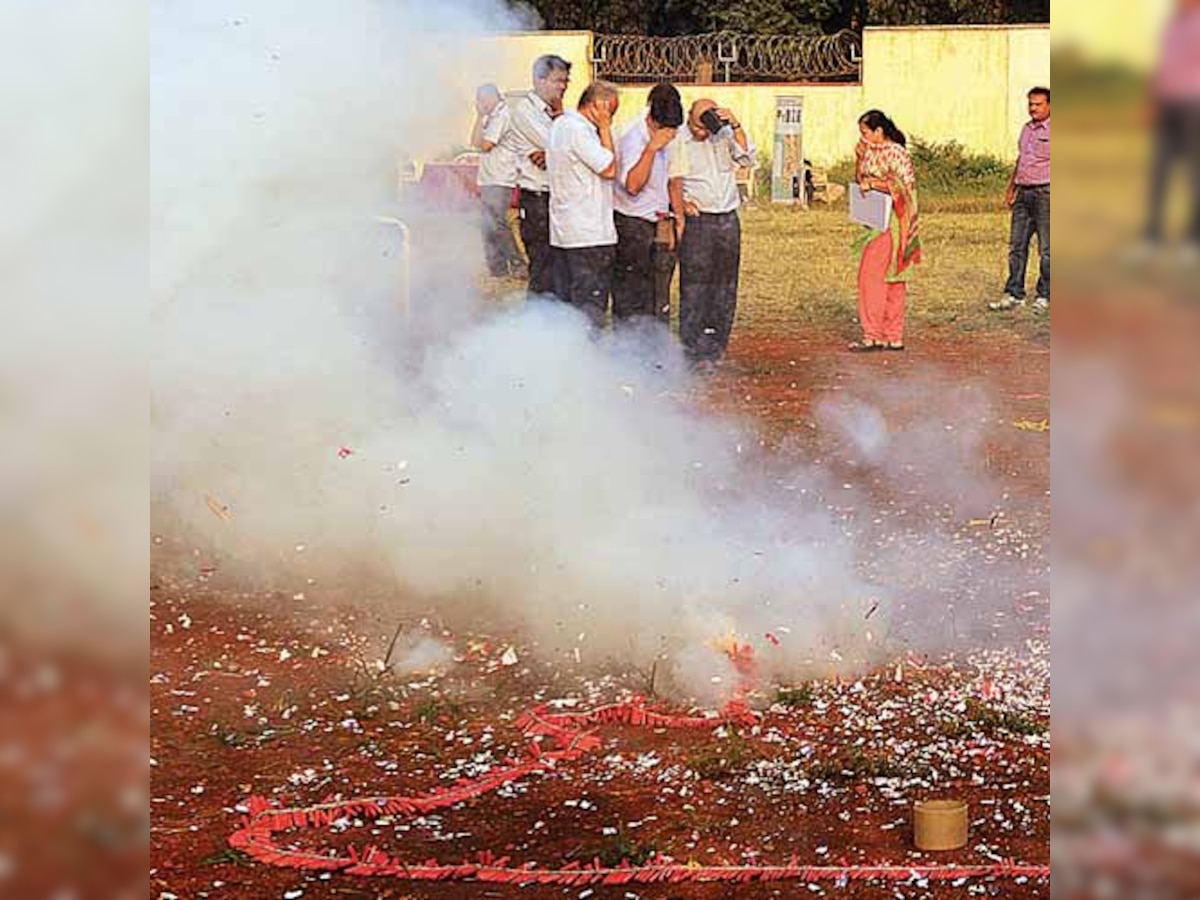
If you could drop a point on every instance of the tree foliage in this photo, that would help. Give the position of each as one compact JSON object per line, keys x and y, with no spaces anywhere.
{"x":678,"y":17}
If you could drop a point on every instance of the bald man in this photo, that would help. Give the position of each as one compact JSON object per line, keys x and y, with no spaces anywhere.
{"x":710,"y":235}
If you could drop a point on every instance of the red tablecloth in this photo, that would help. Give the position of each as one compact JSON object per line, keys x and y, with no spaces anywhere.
{"x":450,"y":186}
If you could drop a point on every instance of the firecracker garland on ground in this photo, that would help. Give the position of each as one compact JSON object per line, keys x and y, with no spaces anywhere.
{"x":568,"y":732}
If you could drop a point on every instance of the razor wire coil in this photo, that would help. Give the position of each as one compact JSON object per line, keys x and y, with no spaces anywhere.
{"x":726,"y":56}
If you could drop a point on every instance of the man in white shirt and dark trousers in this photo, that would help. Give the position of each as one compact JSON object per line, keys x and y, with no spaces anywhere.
{"x":532,"y":117}
{"x":492,"y":136}
{"x":647,"y":156}
{"x":710,"y":245}
{"x":582,"y":165}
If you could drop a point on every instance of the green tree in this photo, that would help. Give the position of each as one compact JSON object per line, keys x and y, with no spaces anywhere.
{"x":775,"y":16}
{"x":956,"y":12}
{"x":681,"y":17}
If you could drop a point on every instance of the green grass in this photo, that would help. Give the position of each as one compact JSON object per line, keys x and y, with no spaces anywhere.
{"x":722,"y":758}
{"x":856,"y":764}
{"x":949,"y":176}
{"x":227,"y":857}
{"x":797,"y":697}
{"x":798,"y":271}
{"x":980,"y":717}
{"x":432,"y":710}
{"x":995,"y":720}
{"x":621,"y":848}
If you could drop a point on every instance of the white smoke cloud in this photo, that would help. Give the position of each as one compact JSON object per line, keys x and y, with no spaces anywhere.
{"x":73,"y":431}
{"x":488,"y":460}
{"x":416,"y":654}
{"x":923,"y":430}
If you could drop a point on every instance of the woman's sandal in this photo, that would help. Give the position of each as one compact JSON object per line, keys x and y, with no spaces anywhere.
{"x":866,"y":347}
{"x":896,"y":347}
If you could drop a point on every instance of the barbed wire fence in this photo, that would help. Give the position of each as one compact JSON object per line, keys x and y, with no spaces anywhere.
{"x":726,"y":56}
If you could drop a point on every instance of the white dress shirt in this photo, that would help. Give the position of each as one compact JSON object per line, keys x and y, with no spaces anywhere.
{"x":531,"y":123}
{"x":711,"y":178}
{"x":498,"y":167}
{"x":581,"y":202}
{"x":653,"y":198}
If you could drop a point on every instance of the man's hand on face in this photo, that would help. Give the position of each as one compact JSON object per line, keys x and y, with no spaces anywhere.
{"x":727,"y":117}
{"x":538,"y":158}
{"x":602,"y":112}
{"x":662,"y":137}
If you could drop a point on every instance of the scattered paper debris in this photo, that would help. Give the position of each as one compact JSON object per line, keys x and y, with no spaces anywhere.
{"x":219,"y":509}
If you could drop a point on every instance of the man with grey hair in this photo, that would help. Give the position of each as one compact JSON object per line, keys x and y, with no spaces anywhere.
{"x":582,"y":164}
{"x":532,"y":117}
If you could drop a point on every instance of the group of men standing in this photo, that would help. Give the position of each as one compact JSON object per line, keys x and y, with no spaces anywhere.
{"x":607,"y":218}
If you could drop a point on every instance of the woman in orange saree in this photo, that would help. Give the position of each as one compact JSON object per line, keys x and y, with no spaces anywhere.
{"x":886,"y":258}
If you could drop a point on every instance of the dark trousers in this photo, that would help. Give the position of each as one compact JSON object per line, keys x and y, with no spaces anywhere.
{"x":642,"y":272}
{"x":1030,"y":216}
{"x":585,"y":279}
{"x":1177,"y":141}
{"x":709,"y":257}
{"x":535,"y":235}
{"x":499,"y":244}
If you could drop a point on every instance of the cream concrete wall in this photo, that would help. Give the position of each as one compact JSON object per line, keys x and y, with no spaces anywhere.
{"x":955,"y":83}
{"x":963,"y":83}
{"x":1028,"y":66}
{"x":831,"y":113}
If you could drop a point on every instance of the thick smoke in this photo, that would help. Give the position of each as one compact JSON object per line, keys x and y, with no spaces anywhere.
{"x":72,"y":382}
{"x":923,"y":431}
{"x":488,"y":460}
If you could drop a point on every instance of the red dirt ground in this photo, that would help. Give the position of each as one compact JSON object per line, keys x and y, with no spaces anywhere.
{"x":244,"y":701}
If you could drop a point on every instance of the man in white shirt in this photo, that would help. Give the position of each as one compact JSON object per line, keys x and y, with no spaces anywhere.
{"x":647,"y":156}
{"x":532,"y":117}
{"x":582,"y":165}
{"x":710,"y":246}
{"x":497,"y":179}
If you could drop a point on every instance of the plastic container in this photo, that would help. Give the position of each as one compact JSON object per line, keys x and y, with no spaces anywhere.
{"x":940,"y":824}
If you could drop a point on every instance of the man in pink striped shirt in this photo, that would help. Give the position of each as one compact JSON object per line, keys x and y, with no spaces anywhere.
{"x":1029,"y":199}
{"x":1176,"y":101}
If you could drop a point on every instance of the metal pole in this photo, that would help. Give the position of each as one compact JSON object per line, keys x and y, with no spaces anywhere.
{"x":405,"y":262}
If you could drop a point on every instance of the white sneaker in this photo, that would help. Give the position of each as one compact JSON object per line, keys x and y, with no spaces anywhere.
{"x":1008,"y":301}
{"x":1041,"y":305}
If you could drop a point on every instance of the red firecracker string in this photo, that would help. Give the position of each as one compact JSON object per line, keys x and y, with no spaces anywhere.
{"x":569,"y":732}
